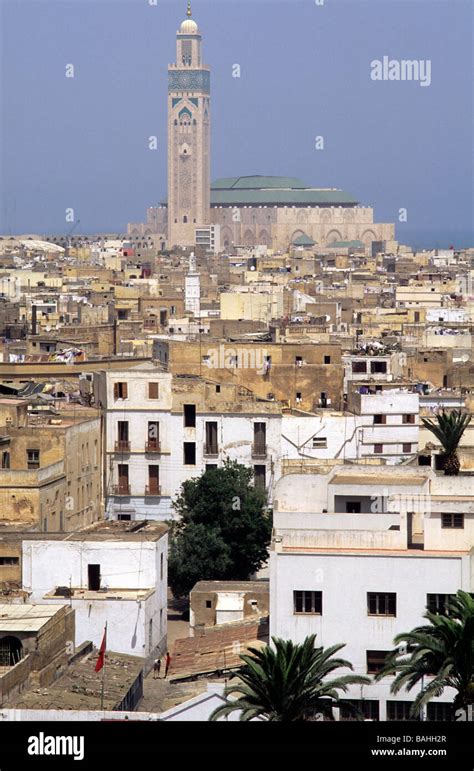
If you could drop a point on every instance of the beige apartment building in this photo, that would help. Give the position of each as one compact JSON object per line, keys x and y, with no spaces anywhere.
{"x":308,"y":376}
{"x":50,"y":475}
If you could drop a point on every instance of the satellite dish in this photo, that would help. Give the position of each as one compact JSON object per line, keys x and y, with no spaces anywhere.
{"x":47,"y":328}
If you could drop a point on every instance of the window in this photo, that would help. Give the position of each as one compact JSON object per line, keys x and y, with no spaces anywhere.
{"x":350,"y":709}
{"x":260,"y":439}
{"x":375,"y":661}
{"x":124,"y":517}
{"x":189,"y":449}
{"x":378,"y":448}
{"x":153,"y":391}
{"x":299,"y":361}
{"x":208,"y":603}
{"x":380,"y":420}
{"x":33,"y":459}
{"x":378,"y":367}
{"x":359,"y":367}
{"x":439,"y":712}
{"x":327,"y":359}
{"x":453,"y":521}
{"x":409,"y":419}
{"x":406,"y":447}
{"x":399,"y":710}
{"x":218,"y":389}
{"x":120,"y":390}
{"x":308,"y":602}
{"x":9,"y":561}
{"x":259,"y":475}
{"x":122,"y":434}
{"x":154,"y":480}
{"x":153,"y":443}
{"x":298,"y":396}
{"x":123,"y":485}
{"x":161,"y":567}
{"x":211,"y":447}
{"x":189,"y":415}
{"x":437,"y":603}
{"x":319,"y":441}
{"x":381,"y":604}
{"x":5,"y":459}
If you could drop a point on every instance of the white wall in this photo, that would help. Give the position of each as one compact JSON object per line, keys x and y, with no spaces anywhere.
{"x":131,"y":565}
{"x":344,"y":580}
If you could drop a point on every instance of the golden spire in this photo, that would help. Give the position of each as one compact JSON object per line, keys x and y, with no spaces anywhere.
{"x":190,"y":13}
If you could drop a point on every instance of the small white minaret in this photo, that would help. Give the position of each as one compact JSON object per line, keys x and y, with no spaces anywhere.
{"x":192,"y":288}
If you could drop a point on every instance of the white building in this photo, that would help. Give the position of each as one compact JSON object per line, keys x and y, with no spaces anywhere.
{"x":357,"y":557}
{"x":109,"y":573}
{"x":161,"y":430}
{"x":383,"y":425}
{"x":389,"y":427}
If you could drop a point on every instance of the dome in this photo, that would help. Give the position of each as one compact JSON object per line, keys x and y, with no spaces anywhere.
{"x":189,"y":27}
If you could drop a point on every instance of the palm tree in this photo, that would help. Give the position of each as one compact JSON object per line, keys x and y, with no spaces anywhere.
{"x":448,"y":430}
{"x":442,"y":651}
{"x":287,"y":682}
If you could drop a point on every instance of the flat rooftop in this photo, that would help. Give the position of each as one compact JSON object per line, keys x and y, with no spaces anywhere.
{"x":80,"y":687}
{"x":231,"y":586}
{"x":105,"y":530}
{"x":26,"y":618}
{"x":105,"y":594}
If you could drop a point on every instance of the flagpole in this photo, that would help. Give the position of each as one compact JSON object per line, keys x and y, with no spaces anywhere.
{"x":103,"y":670}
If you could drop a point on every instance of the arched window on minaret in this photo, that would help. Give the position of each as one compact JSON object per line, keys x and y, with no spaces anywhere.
{"x":185,"y":219}
{"x":187,"y":53}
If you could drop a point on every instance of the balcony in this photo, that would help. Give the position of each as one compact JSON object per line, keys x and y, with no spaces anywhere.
{"x":152,"y":490}
{"x":259,"y":450}
{"x":122,"y":489}
{"x":153,"y":445}
{"x":122,"y":445}
{"x":211,"y":451}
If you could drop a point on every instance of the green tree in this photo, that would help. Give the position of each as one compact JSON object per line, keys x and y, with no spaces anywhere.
{"x":437,"y":656}
{"x":448,"y":429}
{"x":288,"y":682}
{"x":223,"y":532}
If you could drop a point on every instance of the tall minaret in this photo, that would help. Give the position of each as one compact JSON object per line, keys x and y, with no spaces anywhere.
{"x":189,"y":123}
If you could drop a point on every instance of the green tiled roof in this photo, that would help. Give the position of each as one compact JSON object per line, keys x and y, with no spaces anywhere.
{"x":274,"y":191}
{"x":258,"y":182}
{"x":303,"y":240}
{"x":347,"y":244}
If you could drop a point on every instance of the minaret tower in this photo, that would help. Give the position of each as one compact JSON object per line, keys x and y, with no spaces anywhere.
{"x":189,"y":124}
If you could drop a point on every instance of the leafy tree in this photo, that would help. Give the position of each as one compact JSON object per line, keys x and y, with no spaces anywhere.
{"x":448,"y":429}
{"x":288,"y":682}
{"x":223,"y":532}
{"x":442,"y":652}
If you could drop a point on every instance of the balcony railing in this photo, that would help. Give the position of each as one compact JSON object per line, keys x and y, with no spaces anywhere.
{"x":153,"y":490}
{"x":153,"y":445}
{"x":211,"y":450}
{"x":122,"y":489}
{"x":259,"y":451}
{"x":122,"y":445}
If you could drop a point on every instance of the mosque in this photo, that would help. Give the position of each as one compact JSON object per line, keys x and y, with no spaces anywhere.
{"x":240,"y":211}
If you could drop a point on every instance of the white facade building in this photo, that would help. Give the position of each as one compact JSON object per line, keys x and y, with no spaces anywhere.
{"x":357,"y":557}
{"x":162,"y":430}
{"x":107,"y":574}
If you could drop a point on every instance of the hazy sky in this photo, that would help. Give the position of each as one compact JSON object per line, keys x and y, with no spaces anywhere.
{"x":82,"y":142}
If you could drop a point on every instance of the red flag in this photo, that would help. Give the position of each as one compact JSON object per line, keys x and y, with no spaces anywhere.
{"x":101,"y":659}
